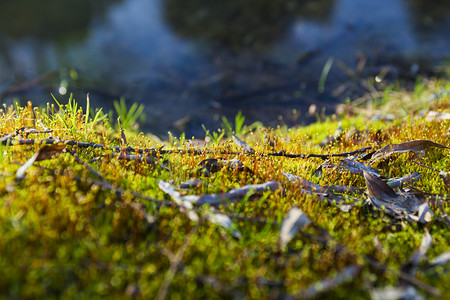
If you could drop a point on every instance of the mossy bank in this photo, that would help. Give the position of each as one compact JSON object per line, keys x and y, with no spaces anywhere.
{"x":99,"y":213}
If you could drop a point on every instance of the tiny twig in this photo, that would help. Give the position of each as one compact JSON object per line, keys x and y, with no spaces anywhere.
{"x":9,"y":141}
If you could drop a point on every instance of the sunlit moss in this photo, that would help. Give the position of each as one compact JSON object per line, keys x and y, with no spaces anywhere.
{"x":65,"y":237}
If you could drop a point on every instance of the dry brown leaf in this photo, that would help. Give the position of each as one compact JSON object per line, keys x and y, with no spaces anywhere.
{"x":323,"y":192}
{"x":400,"y":205}
{"x":415,"y":146}
{"x":50,"y":151}
{"x":356,"y":167}
{"x":213,"y":165}
{"x":349,"y":164}
{"x":399,"y":182}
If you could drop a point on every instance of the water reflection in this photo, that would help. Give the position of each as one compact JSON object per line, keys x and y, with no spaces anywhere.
{"x":188,"y":60}
{"x":62,"y":21}
{"x":431,"y":22}
{"x":237,"y":24}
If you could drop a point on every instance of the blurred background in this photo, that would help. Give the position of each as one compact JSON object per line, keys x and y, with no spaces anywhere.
{"x":191,"y":61}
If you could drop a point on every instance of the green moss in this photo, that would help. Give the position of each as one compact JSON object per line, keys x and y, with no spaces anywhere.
{"x":63,"y":236}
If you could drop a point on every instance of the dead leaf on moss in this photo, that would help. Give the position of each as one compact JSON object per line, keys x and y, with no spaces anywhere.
{"x":400,"y":182}
{"x":324,"y":192}
{"x":213,"y":165}
{"x":357,"y":168}
{"x":437,"y":116}
{"x":306,"y":185}
{"x":415,"y":146}
{"x":349,"y":164}
{"x":50,"y":151}
{"x":233,"y":195}
{"x":399,"y":205}
{"x":330,"y":139}
{"x":295,"y":220}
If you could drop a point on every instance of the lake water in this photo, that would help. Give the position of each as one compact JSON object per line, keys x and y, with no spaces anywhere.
{"x":190,"y":61}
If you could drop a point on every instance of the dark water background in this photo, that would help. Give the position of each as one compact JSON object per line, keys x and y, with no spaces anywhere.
{"x":191,"y":60}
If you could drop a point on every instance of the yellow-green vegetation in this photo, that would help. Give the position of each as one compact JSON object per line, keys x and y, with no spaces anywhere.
{"x":87,"y":221}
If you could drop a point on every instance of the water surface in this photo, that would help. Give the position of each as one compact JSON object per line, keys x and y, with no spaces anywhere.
{"x":191,"y":60}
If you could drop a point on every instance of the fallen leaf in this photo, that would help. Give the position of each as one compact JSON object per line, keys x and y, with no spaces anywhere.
{"x":235,"y":194}
{"x":349,"y":164}
{"x":50,"y":151}
{"x":45,"y":152}
{"x":399,"y":205}
{"x":295,"y":220}
{"x":305,"y":185}
{"x":213,"y":165}
{"x":415,"y":146}
{"x":323,"y":192}
{"x":399,"y":182}
{"x":325,"y":165}
{"x":357,"y":168}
